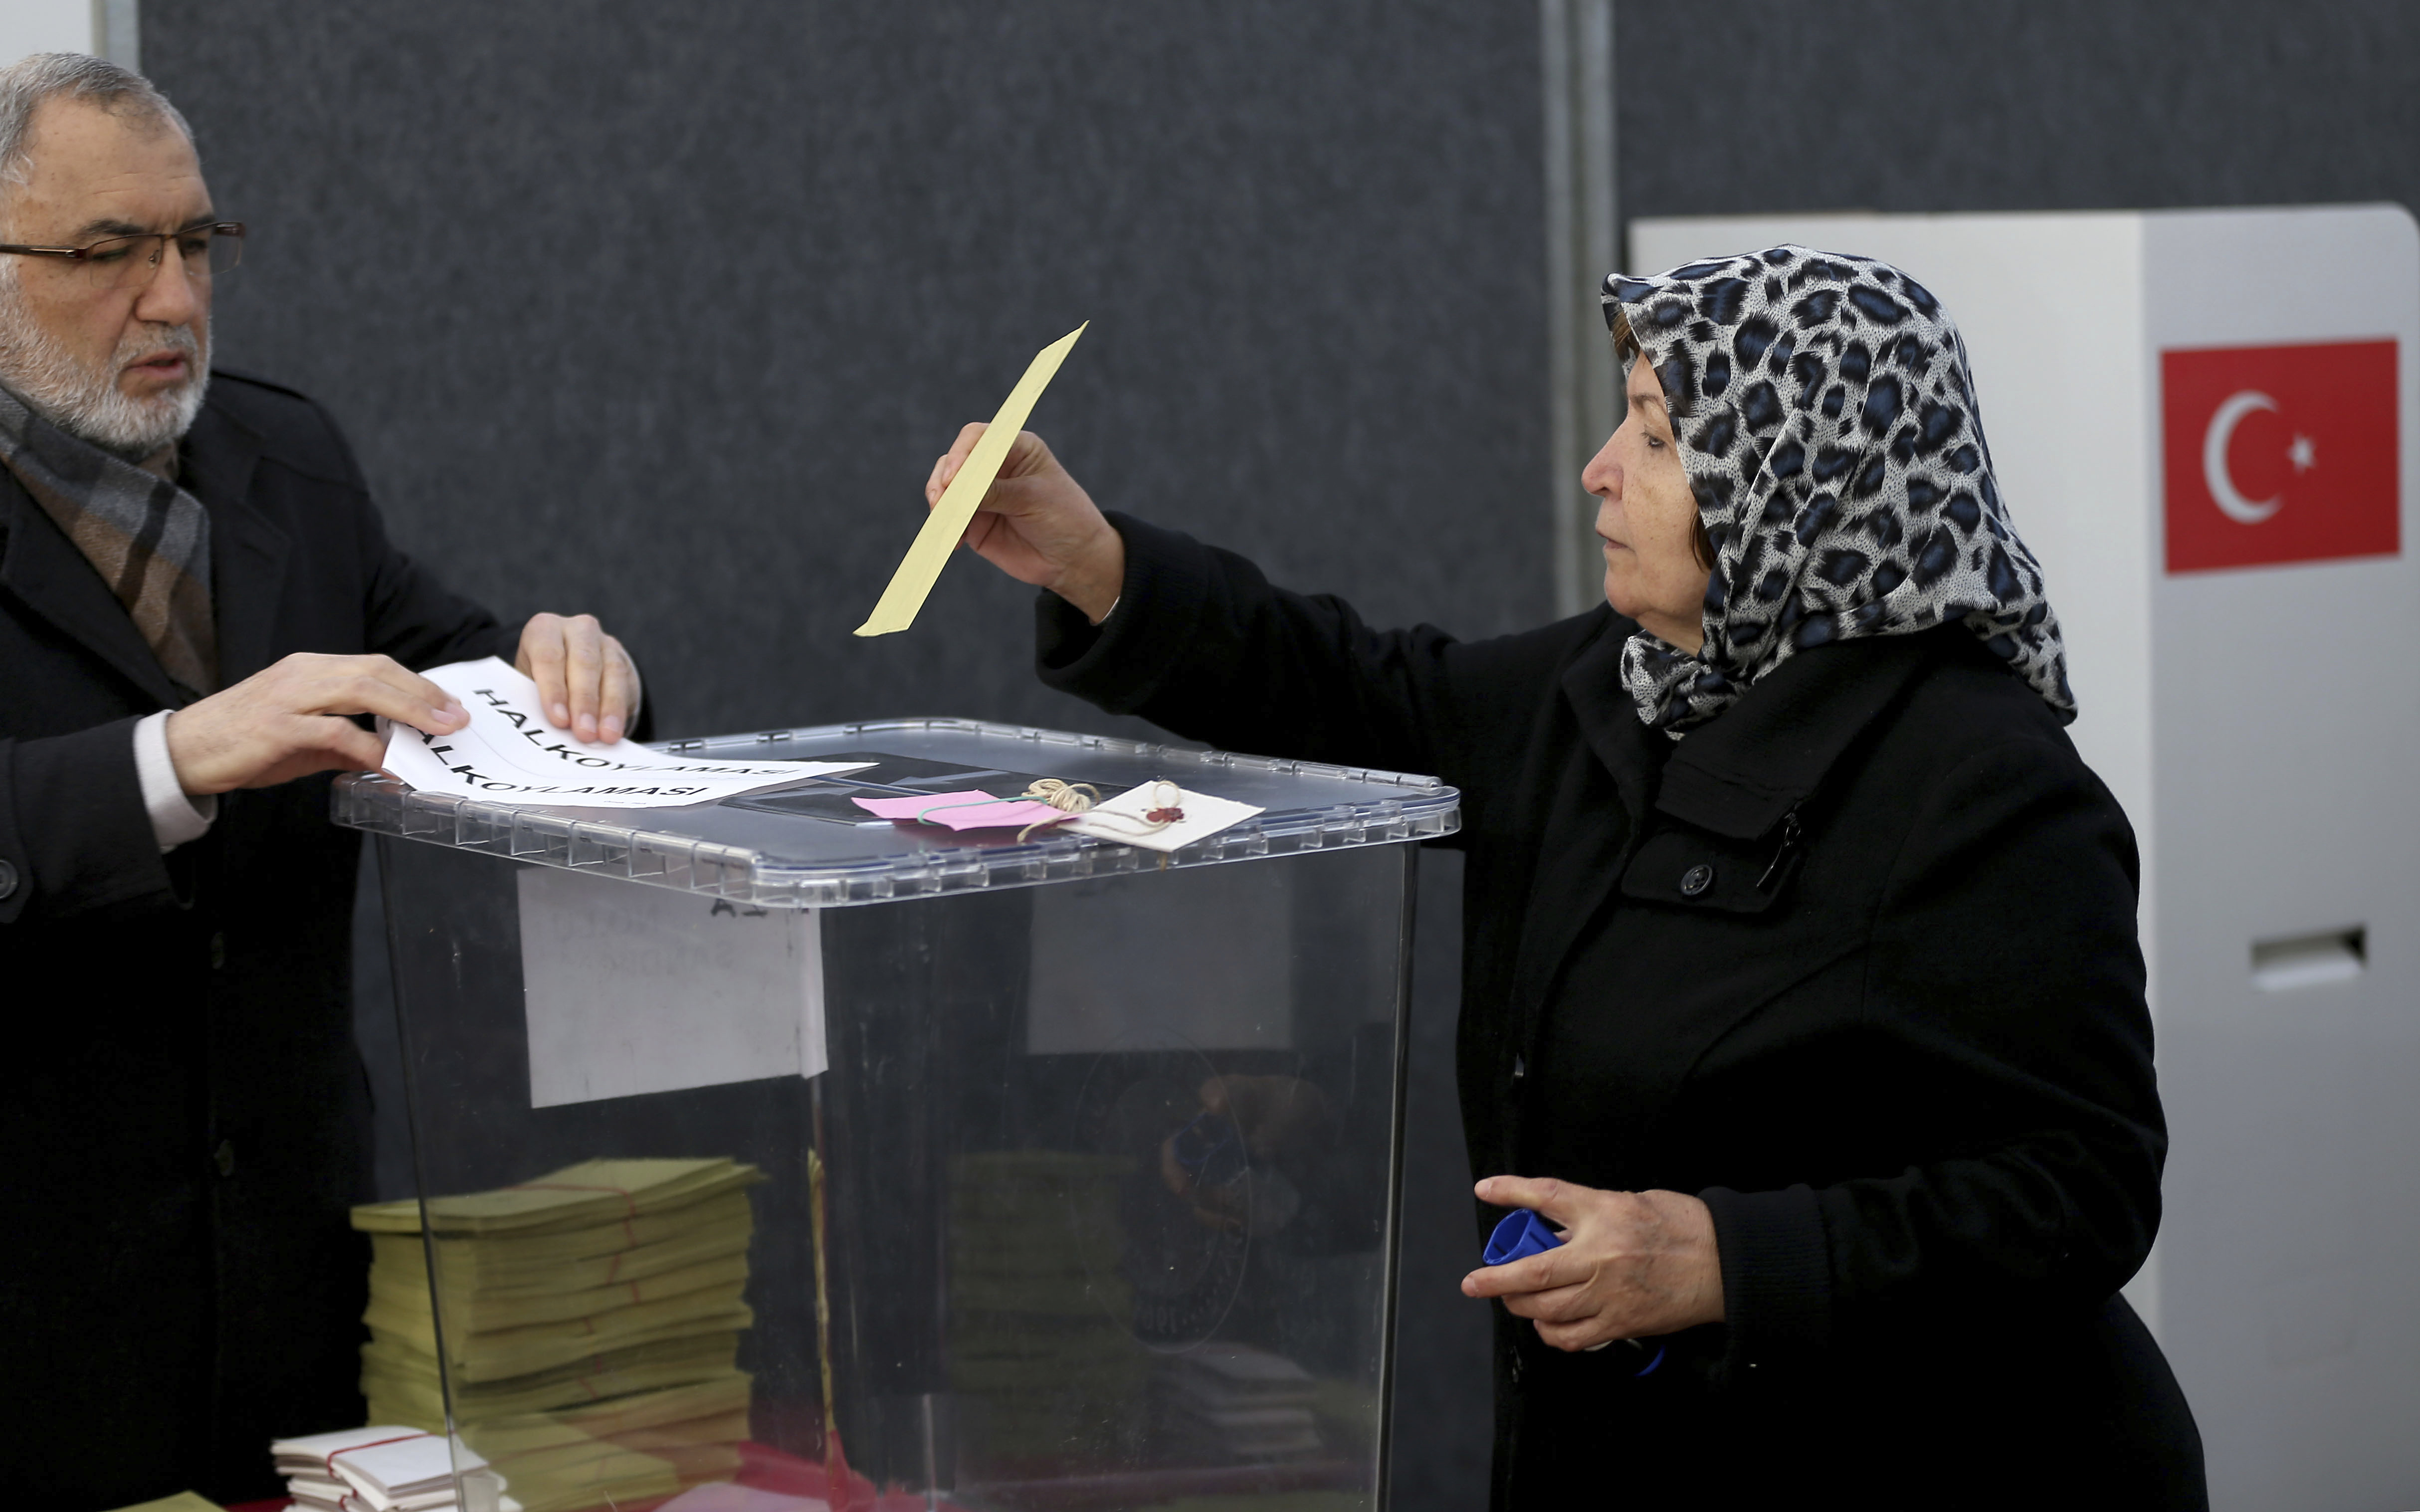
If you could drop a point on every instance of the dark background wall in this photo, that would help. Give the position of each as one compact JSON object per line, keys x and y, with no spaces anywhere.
{"x":1737,"y":106}
{"x":664,"y":310}
{"x":667,"y":310}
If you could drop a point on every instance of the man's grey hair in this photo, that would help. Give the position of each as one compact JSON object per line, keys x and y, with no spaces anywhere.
{"x":28,"y":83}
{"x":79,"y":396}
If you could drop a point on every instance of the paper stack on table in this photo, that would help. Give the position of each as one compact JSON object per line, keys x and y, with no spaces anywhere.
{"x":378,"y":1469}
{"x":592,"y":1317}
{"x":1231,"y":1402}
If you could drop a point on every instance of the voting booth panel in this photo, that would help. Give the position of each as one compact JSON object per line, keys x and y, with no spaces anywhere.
{"x":773,"y":1143}
{"x":2205,"y":424}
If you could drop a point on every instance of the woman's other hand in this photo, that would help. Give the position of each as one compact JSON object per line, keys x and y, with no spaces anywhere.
{"x":1631,"y":1264}
{"x":1039,"y":525}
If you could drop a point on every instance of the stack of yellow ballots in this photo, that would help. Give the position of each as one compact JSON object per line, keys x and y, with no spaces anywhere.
{"x":1038,"y":1308}
{"x":592,"y":1319}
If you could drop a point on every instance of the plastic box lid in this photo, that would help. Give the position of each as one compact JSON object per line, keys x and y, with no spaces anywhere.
{"x":808,"y":846}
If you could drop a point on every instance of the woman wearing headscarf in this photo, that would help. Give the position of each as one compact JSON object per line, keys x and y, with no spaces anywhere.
{"x":1801,"y":989}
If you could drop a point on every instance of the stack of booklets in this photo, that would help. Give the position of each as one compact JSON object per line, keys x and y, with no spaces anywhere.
{"x":1226,"y":1403}
{"x":1040,"y":1312}
{"x":381,"y":1469}
{"x":591,"y":1322}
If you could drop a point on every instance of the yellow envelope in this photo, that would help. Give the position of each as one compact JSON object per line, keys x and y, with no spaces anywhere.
{"x":950,"y":519}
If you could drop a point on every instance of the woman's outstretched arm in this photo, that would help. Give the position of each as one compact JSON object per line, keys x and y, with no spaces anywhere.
{"x":1145,"y":621}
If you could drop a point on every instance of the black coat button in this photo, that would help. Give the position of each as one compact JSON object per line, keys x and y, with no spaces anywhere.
{"x":224,"y":1157}
{"x":1696,"y":880}
{"x":8,"y":878}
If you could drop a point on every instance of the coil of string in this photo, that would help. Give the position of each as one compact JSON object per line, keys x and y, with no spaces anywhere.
{"x":1067,"y":798}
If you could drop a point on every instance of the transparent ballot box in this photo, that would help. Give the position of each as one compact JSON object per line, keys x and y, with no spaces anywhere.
{"x":771,"y":1154}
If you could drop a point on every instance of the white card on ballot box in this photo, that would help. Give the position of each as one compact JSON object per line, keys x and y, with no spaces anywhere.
{"x":611,"y":972}
{"x":1127,"y":818}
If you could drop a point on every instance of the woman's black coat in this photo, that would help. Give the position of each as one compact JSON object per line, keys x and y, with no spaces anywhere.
{"x":1854,"y":963}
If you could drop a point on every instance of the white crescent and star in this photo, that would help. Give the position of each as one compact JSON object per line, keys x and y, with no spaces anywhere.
{"x":2304,"y":454}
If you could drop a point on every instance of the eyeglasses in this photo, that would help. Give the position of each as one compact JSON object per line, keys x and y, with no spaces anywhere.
{"x":208,"y":248}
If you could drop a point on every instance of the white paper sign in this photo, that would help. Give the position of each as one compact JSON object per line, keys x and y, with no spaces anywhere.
{"x":508,"y":753}
{"x":630,"y":989}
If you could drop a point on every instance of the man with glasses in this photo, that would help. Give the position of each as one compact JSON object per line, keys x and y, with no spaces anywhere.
{"x":196,"y":601}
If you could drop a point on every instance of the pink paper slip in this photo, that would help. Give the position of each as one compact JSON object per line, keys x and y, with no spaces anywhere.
{"x":964,"y":811}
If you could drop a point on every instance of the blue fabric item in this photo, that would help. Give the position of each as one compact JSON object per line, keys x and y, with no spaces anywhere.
{"x":1521,"y":1234}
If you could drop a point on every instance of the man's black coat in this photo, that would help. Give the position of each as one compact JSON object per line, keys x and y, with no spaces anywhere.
{"x":1855,"y":963}
{"x":182,"y":1103}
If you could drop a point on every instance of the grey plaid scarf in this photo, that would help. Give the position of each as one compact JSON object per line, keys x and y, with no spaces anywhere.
{"x":147,"y":538}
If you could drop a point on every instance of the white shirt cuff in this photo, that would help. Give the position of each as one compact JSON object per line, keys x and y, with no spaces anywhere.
{"x":176,"y":818}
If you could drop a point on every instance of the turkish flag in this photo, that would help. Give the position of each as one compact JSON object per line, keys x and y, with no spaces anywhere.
{"x":2281,"y":454}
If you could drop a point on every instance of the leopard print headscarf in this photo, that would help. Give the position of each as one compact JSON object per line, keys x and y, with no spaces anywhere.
{"x":1828,"y":424}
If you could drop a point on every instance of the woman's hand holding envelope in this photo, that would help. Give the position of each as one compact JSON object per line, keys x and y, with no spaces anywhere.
{"x":1038,"y":525}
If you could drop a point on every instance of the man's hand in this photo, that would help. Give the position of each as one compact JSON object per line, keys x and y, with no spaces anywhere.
{"x":294,"y":718}
{"x":1039,"y":525}
{"x":1633,"y":1264}
{"x":588,"y":683}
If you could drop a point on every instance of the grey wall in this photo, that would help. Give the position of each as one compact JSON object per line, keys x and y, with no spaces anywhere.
{"x":2016,"y":104}
{"x":666,"y":310}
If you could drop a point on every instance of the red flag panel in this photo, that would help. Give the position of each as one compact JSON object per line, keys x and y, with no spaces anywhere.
{"x":2280,"y":454}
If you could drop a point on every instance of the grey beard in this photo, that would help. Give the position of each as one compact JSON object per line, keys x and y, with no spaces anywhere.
{"x":86,"y":403}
